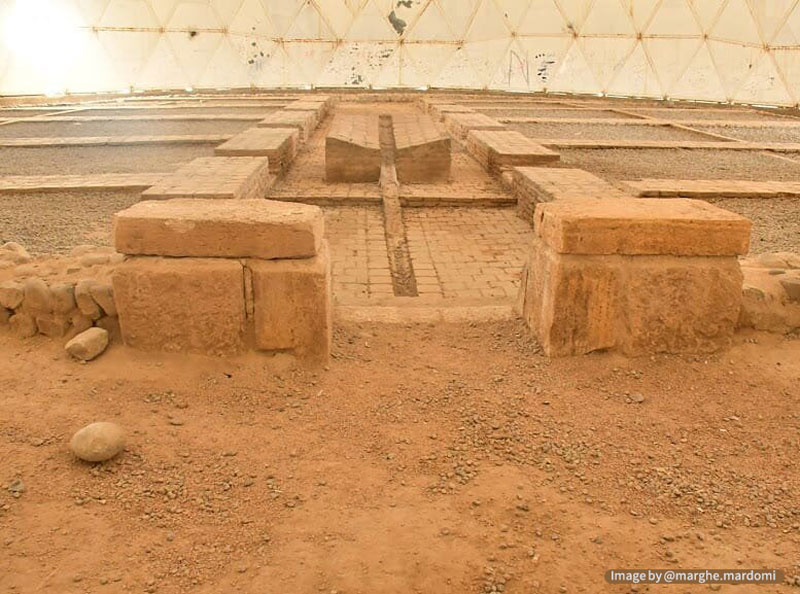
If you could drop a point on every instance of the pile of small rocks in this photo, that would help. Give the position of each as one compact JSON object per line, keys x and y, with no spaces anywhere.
{"x":58,"y":309}
{"x":771,"y":292}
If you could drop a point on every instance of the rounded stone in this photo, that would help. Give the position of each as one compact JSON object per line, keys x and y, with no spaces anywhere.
{"x":98,"y":442}
{"x":89,"y":344}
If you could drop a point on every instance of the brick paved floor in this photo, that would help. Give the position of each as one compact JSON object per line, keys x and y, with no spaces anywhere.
{"x":467,"y":253}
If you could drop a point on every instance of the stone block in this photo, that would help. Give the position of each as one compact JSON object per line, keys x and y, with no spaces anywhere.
{"x":38,"y":297}
{"x":215,"y":177}
{"x":63,"y":295}
{"x":498,"y":150}
{"x":353,"y":149}
{"x":644,"y":226}
{"x":103,"y":295}
{"x":11,"y":294}
{"x":459,"y":124}
{"x":264,"y":229}
{"x":292,"y":305}
{"x":303,"y":121}
{"x":279,"y":145}
{"x":86,"y":303}
{"x":23,"y":325}
{"x":638,"y":305}
{"x":189,"y":305}
{"x":422,"y":153}
{"x":53,"y":325}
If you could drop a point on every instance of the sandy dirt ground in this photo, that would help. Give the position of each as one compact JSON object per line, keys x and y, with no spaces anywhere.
{"x":468,"y":463}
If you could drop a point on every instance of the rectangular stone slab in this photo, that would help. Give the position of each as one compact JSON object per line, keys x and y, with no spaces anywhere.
{"x":182,"y":305}
{"x":642,"y":226}
{"x":459,"y":124}
{"x":353,"y":149}
{"x":215,"y":177}
{"x":502,"y":149}
{"x":279,"y":145}
{"x":422,"y":153}
{"x":219,"y":229}
{"x":305,"y":121}
{"x":292,"y":305}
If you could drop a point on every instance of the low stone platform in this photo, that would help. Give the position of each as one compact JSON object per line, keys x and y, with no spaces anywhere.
{"x":714,"y":188}
{"x":640,"y":276}
{"x":50,"y":141}
{"x":219,"y":278}
{"x":440,"y":110}
{"x":215,"y":177}
{"x":498,"y":150}
{"x":422,"y":153}
{"x":319,"y":106}
{"x":15,"y":184}
{"x":277,"y":144}
{"x":353,"y":149}
{"x":304,"y":121}
{"x":459,"y":124}
{"x":533,"y":185}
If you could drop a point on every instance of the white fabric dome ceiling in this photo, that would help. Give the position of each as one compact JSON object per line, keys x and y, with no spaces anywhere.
{"x":717,"y":50}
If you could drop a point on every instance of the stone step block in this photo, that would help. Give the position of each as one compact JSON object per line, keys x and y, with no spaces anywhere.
{"x":292,"y":305}
{"x":439,"y":110}
{"x":304,"y":121}
{"x":353,"y":149}
{"x":279,"y":145}
{"x":459,"y":124}
{"x":498,"y":150}
{"x":219,"y":229}
{"x":422,"y":153}
{"x":643,"y":226}
{"x":187,"y":305}
{"x":215,"y":177}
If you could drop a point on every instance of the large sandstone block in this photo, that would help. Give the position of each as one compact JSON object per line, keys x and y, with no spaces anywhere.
{"x":440,"y":110}
{"x":679,"y":226}
{"x":422,"y":153}
{"x":215,"y":177}
{"x":212,"y":228}
{"x":189,"y":305}
{"x":353,"y":149}
{"x":292,"y":305}
{"x":638,"y":305}
{"x":279,"y":145}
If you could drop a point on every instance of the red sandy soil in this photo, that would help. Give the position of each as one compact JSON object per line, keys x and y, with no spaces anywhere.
{"x":449,"y":458}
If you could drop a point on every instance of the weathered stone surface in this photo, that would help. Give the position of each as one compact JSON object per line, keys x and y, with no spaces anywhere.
{"x":63,"y":297}
{"x":353,"y":149}
{"x":791,"y":285}
{"x":5,"y":315}
{"x":103,"y":295}
{"x":98,"y":442}
{"x":86,"y":303}
{"x":23,"y":325}
{"x":79,"y":323}
{"x":38,"y":298}
{"x":205,"y":228}
{"x":88,"y":345}
{"x":459,"y":124}
{"x":14,"y":253}
{"x":187,"y":305}
{"x":11,"y":294}
{"x":643,"y":226}
{"x":766,"y":305}
{"x":53,"y":325}
{"x":292,"y":305}
{"x":111,"y":325}
{"x":577,"y":304}
{"x":304,"y":121}
{"x":422,"y":153}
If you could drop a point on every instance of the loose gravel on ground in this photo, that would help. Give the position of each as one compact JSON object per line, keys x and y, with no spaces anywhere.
{"x":776,"y":222}
{"x":99,"y":159}
{"x":629,"y":164}
{"x":248,"y":110}
{"x":55,"y":222}
{"x":117,"y":128}
{"x":769,"y":134}
{"x":704,"y":114}
{"x":553,"y":113}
